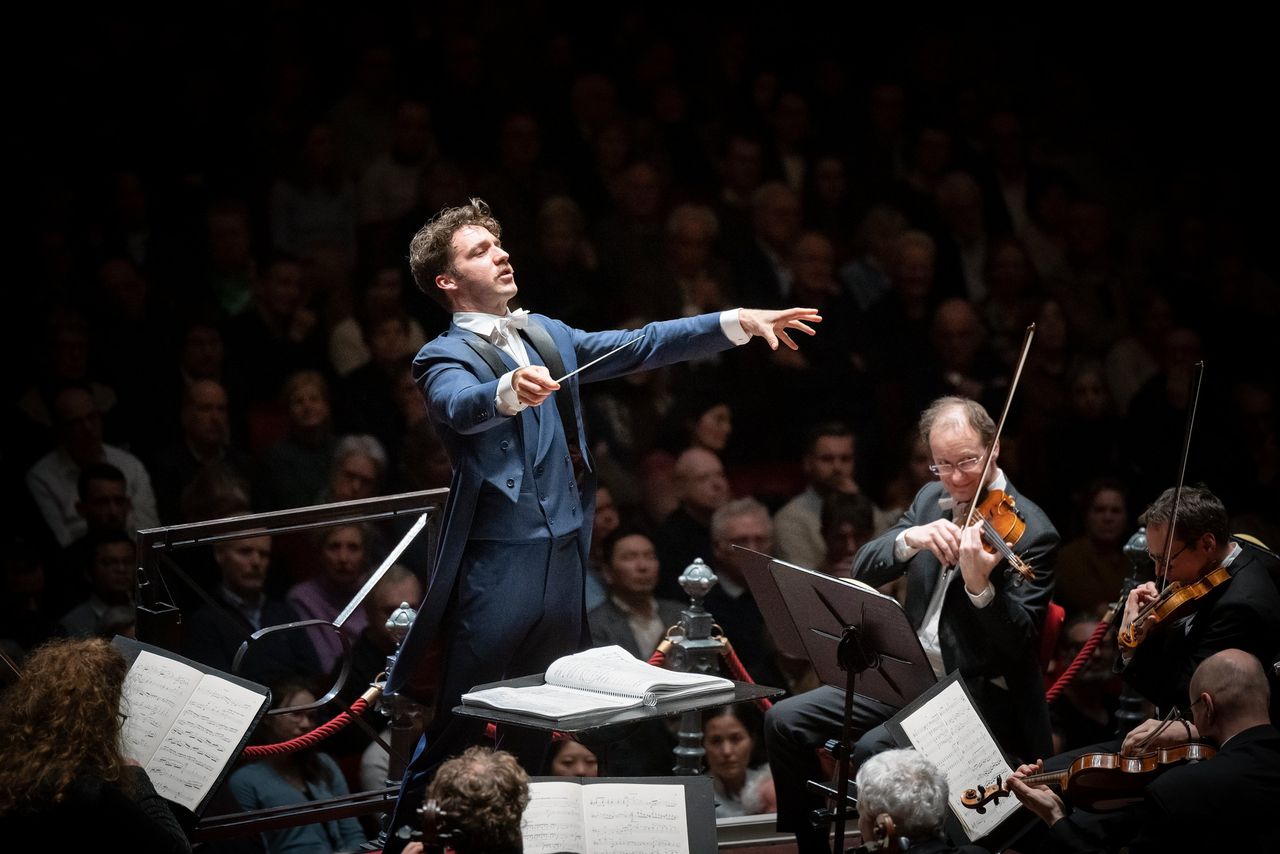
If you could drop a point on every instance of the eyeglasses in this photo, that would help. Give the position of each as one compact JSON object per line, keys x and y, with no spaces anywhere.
{"x":968,"y":466}
{"x":1159,"y":560}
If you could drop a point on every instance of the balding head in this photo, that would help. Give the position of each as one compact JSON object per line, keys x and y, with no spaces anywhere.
{"x":1229,"y":694}
{"x":701,"y":481}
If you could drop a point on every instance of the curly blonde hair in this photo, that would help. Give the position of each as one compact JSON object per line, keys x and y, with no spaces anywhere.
{"x":61,"y":722}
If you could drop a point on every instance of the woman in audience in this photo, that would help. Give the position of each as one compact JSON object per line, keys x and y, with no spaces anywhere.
{"x":295,"y":778}
{"x":571,"y":759}
{"x":743,"y":786}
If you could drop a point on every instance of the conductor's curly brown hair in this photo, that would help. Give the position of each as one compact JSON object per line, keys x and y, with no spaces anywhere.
{"x":431,"y":249}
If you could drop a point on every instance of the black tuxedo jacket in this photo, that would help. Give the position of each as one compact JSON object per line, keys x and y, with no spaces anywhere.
{"x":1243,"y":613}
{"x":1000,"y":642}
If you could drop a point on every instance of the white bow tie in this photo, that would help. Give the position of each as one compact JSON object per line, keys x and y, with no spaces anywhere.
{"x":511,"y":324}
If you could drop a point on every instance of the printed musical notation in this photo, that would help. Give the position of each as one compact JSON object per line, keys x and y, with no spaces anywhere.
{"x":183,"y":726}
{"x":627,"y":818}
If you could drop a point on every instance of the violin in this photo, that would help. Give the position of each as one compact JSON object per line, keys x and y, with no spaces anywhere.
{"x":1175,"y":602}
{"x":1002,"y":527}
{"x":1098,"y":782}
{"x":886,"y":837}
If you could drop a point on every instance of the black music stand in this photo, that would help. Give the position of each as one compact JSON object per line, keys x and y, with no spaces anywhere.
{"x":845,"y":628}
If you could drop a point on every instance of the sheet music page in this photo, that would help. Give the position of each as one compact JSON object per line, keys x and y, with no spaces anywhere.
{"x":547,"y":701}
{"x":611,"y":669}
{"x":630,"y":818}
{"x":552,"y":821}
{"x":949,"y":732}
{"x":155,"y":690}
{"x":201,"y":741}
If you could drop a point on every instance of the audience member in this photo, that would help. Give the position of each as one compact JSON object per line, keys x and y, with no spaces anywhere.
{"x":295,"y":778}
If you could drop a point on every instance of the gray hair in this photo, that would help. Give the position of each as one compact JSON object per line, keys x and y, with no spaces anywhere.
{"x":363,"y":444}
{"x":740,"y":507}
{"x":909,"y":788}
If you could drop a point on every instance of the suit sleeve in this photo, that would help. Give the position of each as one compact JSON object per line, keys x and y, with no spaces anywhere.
{"x":875,"y":562}
{"x":665,"y":342}
{"x":455,"y":396}
{"x":1016,"y":614}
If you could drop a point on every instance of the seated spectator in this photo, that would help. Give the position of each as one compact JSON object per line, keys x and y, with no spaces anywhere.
{"x":1092,"y":568}
{"x":744,"y":522}
{"x":110,"y":573}
{"x":295,"y":778}
{"x":910,"y":790}
{"x":54,"y":480}
{"x":368,"y":397}
{"x":482,"y":794}
{"x":343,"y":568}
{"x":214,"y":633}
{"x":570,"y":758}
{"x":847,"y":523}
{"x":1085,"y":713}
{"x":63,"y":774}
{"x":369,"y":654}
{"x":603,"y":524}
{"x":828,"y":469}
{"x":631,"y":617}
{"x":104,"y":506}
{"x":348,"y":348}
{"x":686,"y":532}
{"x":206,"y":439}
{"x":735,"y":761}
{"x":25,"y":617}
{"x":296,"y":467}
{"x":358,"y":466}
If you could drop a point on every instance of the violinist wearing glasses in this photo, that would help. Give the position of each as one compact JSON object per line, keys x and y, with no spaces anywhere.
{"x":971,"y":610}
{"x":1219,"y":593}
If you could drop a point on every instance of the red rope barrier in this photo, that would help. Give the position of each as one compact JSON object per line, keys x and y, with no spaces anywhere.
{"x":316,"y":735}
{"x":1078,"y":662}
{"x":737,"y":671}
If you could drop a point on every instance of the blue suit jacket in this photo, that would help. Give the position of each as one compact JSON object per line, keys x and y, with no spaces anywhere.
{"x":512,"y":475}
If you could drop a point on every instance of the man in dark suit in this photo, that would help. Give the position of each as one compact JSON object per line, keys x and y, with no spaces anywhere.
{"x":630,"y":616}
{"x":969,"y":617}
{"x":506,"y":593}
{"x":1242,"y":612}
{"x":1224,"y":804}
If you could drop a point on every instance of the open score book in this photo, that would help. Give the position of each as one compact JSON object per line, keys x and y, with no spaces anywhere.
{"x":186,"y":722}
{"x":604,"y":679}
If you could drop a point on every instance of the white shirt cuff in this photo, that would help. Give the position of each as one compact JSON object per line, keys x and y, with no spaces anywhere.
{"x":901,"y":551}
{"x":984,"y":598}
{"x":732,"y":327}
{"x":506,"y":401}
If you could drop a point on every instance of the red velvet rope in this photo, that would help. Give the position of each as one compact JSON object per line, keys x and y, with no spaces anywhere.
{"x":318,"y":734}
{"x":1081,"y":657}
{"x":731,"y":660}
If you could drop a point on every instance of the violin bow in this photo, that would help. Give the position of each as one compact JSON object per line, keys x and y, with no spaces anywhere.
{"x":1196,"y":378}
{"x":1018,"y":573}
{"x":1008,"y":402}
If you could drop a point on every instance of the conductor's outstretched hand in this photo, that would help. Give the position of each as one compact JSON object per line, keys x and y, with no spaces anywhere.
{"x":773,"y":325}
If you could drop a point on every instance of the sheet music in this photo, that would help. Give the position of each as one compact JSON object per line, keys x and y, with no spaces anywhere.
{"x":950,"y":733}
{"x":202,"y":739}
{"x":553,"y":819}
{"x":547,"y":701}
{"x":605,"y":818}
{"x":155,"y":690}
{"x":613,"y":670}
{"x":626,"y":818}
{"x":182,"y":724}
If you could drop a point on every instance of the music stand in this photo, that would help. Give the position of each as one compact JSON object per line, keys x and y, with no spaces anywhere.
{"x":848,"y":626}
